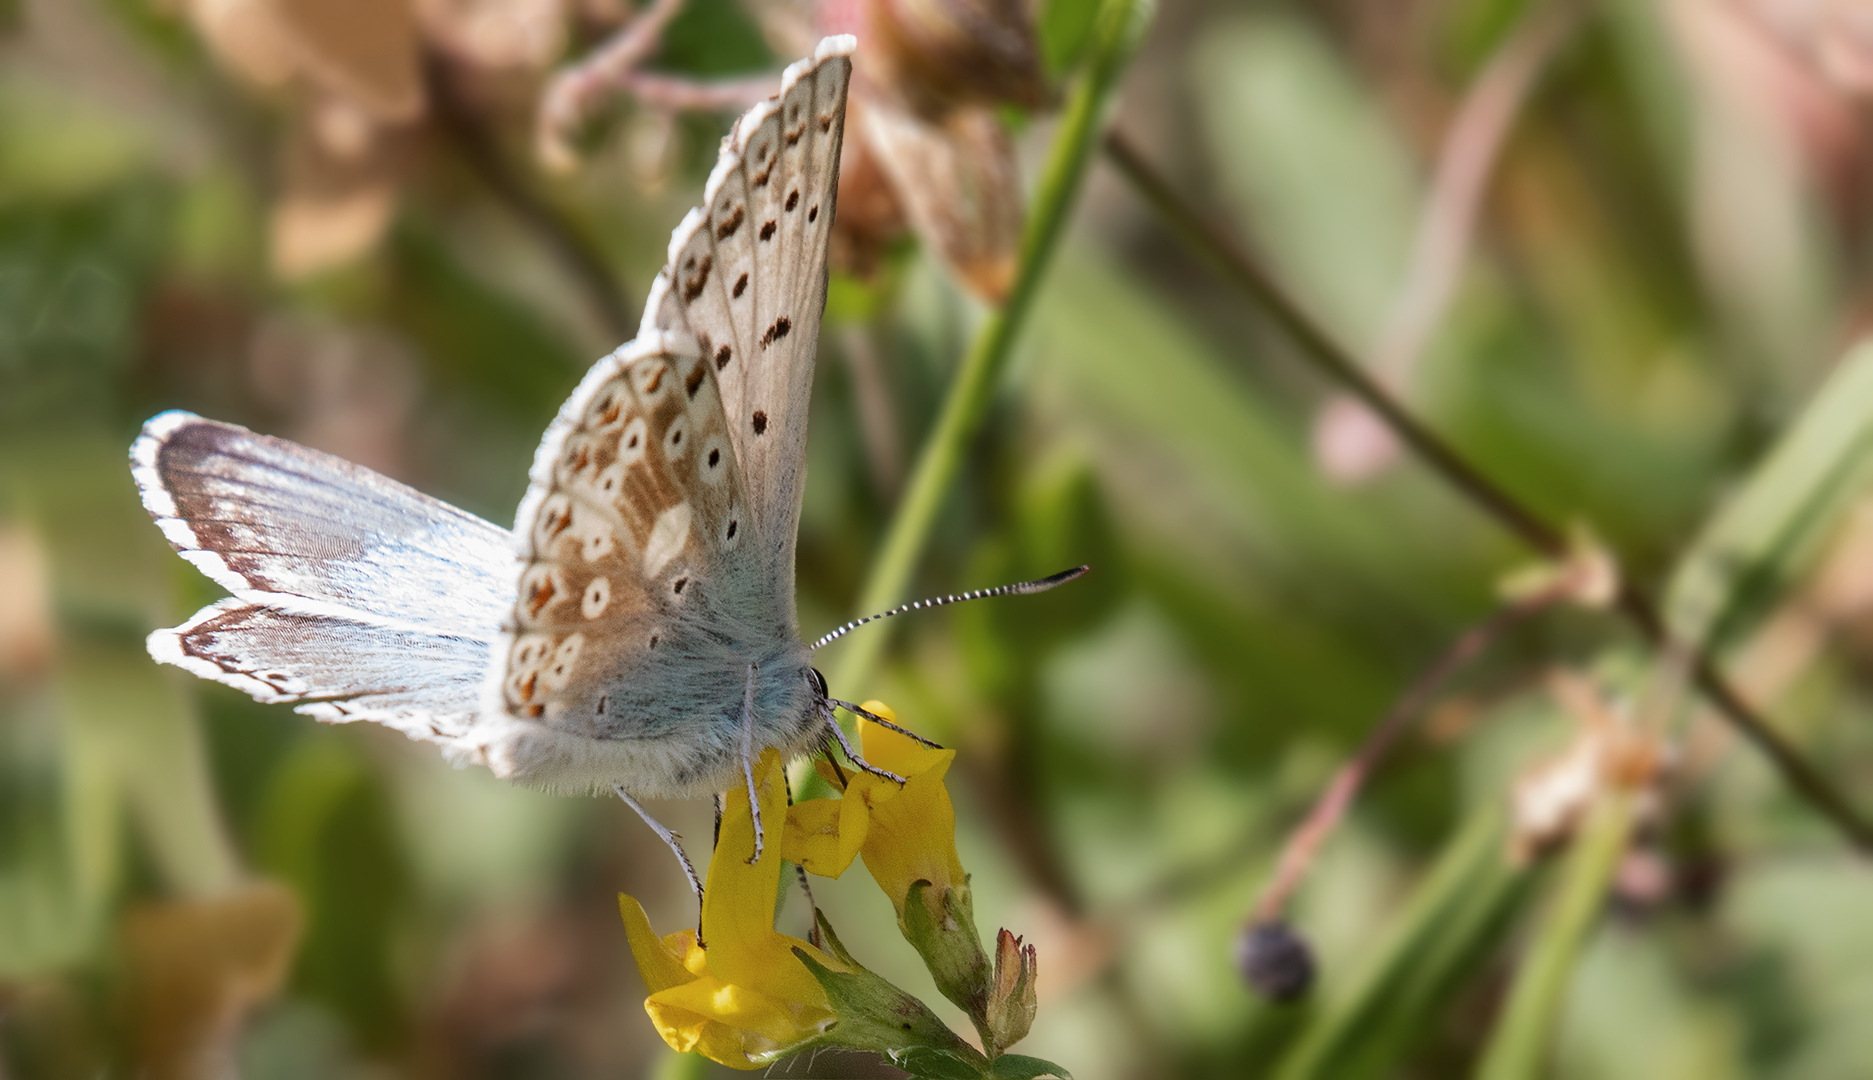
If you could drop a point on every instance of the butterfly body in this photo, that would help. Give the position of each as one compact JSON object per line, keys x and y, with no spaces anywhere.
{"x":636,"y":628}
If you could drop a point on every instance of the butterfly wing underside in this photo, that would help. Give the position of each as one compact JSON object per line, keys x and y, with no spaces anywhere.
{"x":617,"y":633}
{"x":633,"y":602}
{"x":657,"y":535}
{"x":354,"y":596}
{"x":747,"y":279}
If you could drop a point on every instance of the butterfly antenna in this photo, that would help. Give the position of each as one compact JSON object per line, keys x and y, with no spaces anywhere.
{"x":1020,"y":588}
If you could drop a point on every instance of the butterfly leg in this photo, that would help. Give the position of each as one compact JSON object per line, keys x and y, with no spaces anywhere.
{"x":668,"y":837}
{"x":799,"y":872}
{"x":851,"y":754}
{"x":882,"y":722}
{"x":747,"y":762}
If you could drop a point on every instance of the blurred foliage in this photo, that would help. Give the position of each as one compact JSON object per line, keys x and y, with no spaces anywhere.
{"x":1645,"y":335}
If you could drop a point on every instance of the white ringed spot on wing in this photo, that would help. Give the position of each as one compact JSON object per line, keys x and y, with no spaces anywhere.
{"x":631,"y":443}
{"x":540,"y":588}
{"x":599,"y":543}
{"x":676,"y":439}
{"x":555,"y":518}
{"x":611,"y":481}
{"x":609,"y":404}
{"x":597,"y":597}
{"x":559,"y":669}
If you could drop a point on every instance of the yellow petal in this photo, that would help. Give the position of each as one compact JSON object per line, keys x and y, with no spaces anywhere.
{"x":824,"y":835}
{"x":685,"y":1031}
{"x":738,"y":902}
{"x":830,"y":773}
{"x":777,"y":1022}
{"x":897,"y":753}
{"x":661,"y":965}
{"x":912,"y":838}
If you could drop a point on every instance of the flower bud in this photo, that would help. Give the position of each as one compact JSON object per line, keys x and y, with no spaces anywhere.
{"x":935,"y":55}
{"x":1011,"y":994}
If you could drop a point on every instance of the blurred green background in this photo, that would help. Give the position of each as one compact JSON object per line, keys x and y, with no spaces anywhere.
{"x":1668,"y":258}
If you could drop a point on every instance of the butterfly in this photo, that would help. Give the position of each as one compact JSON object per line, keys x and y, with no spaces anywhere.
{"x":636,"y":629}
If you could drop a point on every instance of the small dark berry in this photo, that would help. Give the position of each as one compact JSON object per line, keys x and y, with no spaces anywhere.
{"x":1275,"y":960}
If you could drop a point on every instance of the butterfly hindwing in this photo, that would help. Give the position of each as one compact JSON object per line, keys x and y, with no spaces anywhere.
{"x":635,"y":613}
{"x":354,"y":595}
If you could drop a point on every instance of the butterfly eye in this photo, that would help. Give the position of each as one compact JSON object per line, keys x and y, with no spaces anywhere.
{"x":819,"y":681}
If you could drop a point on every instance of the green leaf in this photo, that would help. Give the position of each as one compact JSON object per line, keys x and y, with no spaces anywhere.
{"x":1518,"y":1046}
{"x":1022,"y":1067}
{"x":1451,"y":920}
{"x":1769,"y":535}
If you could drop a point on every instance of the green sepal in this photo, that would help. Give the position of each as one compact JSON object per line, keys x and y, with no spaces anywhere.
{"x":949,"y":946}
{"x":929,"y":1063}
{"x":874,"y":1015}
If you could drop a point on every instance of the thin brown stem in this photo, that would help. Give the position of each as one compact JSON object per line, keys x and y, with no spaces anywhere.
{"x":1305,"y":841}
{"x":568,"y":98}
{"x":612,"y":68}
{"x":1211,"y":241}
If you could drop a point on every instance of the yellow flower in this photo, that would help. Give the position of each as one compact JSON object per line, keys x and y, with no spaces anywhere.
{"x":905,"y":834}
{"x":739,"y":997}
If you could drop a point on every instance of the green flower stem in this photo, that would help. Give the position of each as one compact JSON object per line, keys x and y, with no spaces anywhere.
{"x":1119,"y":27}
{"x":1319,"y":349}
{"x":1519,"y":1042}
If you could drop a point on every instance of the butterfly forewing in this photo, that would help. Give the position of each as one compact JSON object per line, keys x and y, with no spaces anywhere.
{"x":748,"y":281}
